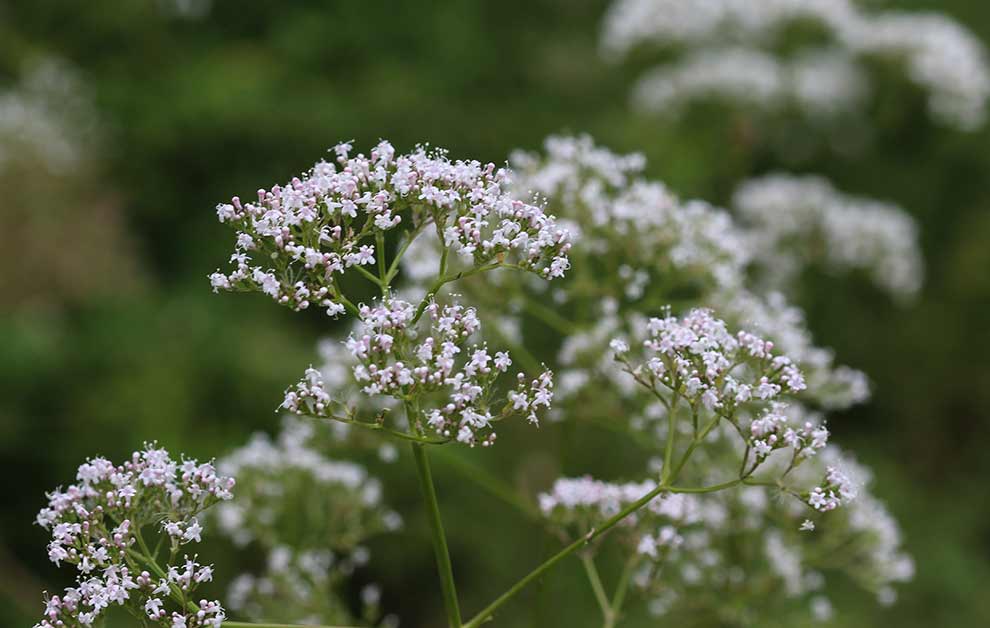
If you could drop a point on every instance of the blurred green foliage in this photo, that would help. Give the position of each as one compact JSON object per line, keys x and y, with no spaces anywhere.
{"x":193,"y":111}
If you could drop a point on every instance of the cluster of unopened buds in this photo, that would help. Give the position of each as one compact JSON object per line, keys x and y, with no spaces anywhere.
{"x":296,"y":239}
{"x":97,"y":526}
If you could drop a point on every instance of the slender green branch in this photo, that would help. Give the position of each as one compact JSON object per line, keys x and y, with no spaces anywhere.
{"x":596,"y":585}
{"x":439,"y":540}
{"x":393,"y":268}
{"x":607,"y":525}
{"x":378,"y":427}
{"x":668,"y":456}
{"x":495,"y":486}
{"x":382,"y":272}
{"x":350,"y":307}
{"x":620,"y":591}
{"x":550,"y":317}
{"x":370,"y":277}
{"x":489,"y":610}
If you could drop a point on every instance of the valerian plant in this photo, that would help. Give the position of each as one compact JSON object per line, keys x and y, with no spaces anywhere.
{"x":673,"y":331}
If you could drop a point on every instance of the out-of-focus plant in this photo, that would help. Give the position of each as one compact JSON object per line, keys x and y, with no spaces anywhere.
{"x":804,"y":55}
{"x":56,"y":214}
{"x":309,"y":515}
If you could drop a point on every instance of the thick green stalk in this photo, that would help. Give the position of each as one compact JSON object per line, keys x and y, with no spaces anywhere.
{"x":439,"y":540}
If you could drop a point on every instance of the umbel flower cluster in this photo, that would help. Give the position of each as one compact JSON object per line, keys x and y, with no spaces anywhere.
{"x":449,"y":386}
{"x":655,"y":245}
{"x":731,"y":52}
{"x":296,"y":240}
{"x":98,"y":527}
{"x":683,"y":545}
{"x":786,"y":212}
{"x":724,"y":401}
{"x":310,"y":516}
{"x":707,"y":369}
{"x":695,"y":357}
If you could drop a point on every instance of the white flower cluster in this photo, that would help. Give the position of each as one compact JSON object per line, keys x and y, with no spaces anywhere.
{"x":836,"y":490}
{"x":773,"y":429}
{"x":97,"y":525}
{"x":818,"y":82}
{"x":311,"y":550}
{"x":873,"y":555}
{"x":304,"y":587}
{"x":48,"y":115}
{"x":450,"y":383}
{"x":297,"y":238}
{"x":639,"y":224}
{"x":788,"y":214}
{"x":588,"y":500}
{"x":681,"y":545}
{"x":831,"y":386}
{"x":695,"y":357}
{"x":940,"y":55}
{"x":638,"y":232}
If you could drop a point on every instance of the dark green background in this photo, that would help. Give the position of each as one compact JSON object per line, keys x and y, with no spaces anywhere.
{"x":194,"y":111}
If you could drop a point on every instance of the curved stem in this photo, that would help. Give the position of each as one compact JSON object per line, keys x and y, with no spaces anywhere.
{"x":439,"y":540}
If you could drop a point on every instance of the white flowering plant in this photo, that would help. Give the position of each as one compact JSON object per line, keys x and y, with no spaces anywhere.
{"x":310,"y":515}
{"x":126,"y":530}
{"x":808,"y":56}
{"x":668,"y":328}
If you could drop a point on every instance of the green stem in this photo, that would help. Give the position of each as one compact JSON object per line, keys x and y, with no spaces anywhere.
{"x":370,"y":277}
{"x":487,"y":612}
{"x":380,"y":245}
{"x":378,"y":427}
{"x":550,"y":317}
{"x":489,"y":482}
{"x":439,"y":540}
{"x":620,"y":592}
{"x":596,"y":586}
{"x":668,"y":455}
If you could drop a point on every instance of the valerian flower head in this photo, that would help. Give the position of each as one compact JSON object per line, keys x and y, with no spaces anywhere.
{"x":297,"y":239}
{"x":938,"y":54}
{"x":696,"y":358}
{"x":351,"y":498}
{"x":788,"y":215}
{"x":819,"y":83}
{"x":429,"y":364}
{"x":96,"y":525}
{"x":632,"y":226}
{"x":775,"y":318}
{"x":311,"y":551}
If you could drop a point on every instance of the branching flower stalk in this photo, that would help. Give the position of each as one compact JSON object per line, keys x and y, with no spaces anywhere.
{"x":729,"y":417}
